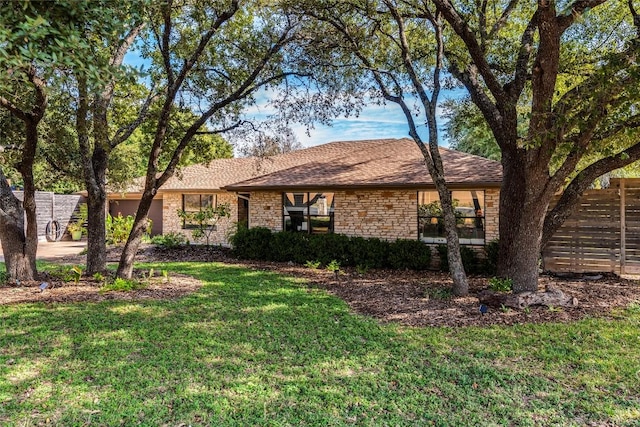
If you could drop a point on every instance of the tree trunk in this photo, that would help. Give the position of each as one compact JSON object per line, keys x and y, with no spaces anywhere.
{"x":125,"y":266}
{"x":97,"y":211}
{"x":96,"y":234}
{"x":523,"y":205}
{"x":30,"y":247}
{"x":19,"y":264}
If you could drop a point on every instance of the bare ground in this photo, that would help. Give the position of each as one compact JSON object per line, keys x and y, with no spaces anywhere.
{"x":406,"y":297}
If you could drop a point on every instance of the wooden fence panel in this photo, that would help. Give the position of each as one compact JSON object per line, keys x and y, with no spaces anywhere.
{"x":589,"y":241}
{"x":50,"y":206}
{"x":632,"y":225}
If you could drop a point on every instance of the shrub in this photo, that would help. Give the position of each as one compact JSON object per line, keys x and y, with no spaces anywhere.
{"x":260,"y":243}
{"x":170,"y":240}
{"x":328,"y":247}
{"x":409,"y":254}
{"x":468,"y":255}
{"x":252,"y":243}
{"x":121,"y":285}
{"x":286,"y":246}
{"x":500,"y":284}
{"x":369,"y":253}
{"x":491,"y":261}
{"x":118,"y":229}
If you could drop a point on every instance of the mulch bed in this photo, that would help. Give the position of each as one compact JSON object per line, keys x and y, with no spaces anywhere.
{"x":405,"y":297}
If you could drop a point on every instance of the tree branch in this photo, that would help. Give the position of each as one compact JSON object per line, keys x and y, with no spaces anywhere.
{"x":576,"y":10}
{"x":571,"y":195}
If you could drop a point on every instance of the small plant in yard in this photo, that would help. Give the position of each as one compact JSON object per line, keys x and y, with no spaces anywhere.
{"x":499,"y":284}
{"x":312,"y":264}
{"x":165,"y":275}
{"x":362,"y":269}
{"x":170,"y":240}
{"x":121,"y":285}
{"x":76,"y":273}
{"x":204,"y":221}
{"x":334,"y":266}
{"x":98,"y":277}
{"x":439,"y":293}
{"x":504,"y":308}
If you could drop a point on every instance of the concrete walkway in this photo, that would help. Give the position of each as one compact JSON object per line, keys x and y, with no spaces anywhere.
{"x":55,"y":250}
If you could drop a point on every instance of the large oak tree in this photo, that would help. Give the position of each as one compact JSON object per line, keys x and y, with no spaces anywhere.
{"x":210,"y":57}
{"x":510,"y":56}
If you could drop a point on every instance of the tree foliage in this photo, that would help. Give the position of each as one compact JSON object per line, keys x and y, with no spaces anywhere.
{"x":394,"y":52}
{"x":555,"y":82}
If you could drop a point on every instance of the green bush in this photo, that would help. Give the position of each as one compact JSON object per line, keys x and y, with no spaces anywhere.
{"x":328,"y":247}
{"x":500,"y":284}
{"x":468,"y":255}
{"x":260,"y":243}
{"x":491,"y":261}
{"x":409,"y":254}
{"x":287,"y":246}
{"x":252,"y":243}
{"x":170,"y":240}
{"x":369,"y":253}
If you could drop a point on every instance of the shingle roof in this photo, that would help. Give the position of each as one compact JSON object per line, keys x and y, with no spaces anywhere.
{"x":342,"y":164}
{"x":373,"y":163}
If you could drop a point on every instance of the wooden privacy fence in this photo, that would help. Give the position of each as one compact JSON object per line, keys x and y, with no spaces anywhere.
{"x":602,"y":235}
{"x":50,"y":207}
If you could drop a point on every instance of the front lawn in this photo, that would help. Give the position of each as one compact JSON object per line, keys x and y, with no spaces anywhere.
{"x":255,"y":348}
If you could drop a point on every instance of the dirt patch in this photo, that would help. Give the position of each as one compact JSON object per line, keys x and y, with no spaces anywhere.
{"x":57,"y":291}
{"x":406,"y":297}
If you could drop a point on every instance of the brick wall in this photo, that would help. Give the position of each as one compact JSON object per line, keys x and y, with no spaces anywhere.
{"x":171,"y":222}
{"x":385,"y":214}
{"x":265,"y":210}
{"x":491,"y":217}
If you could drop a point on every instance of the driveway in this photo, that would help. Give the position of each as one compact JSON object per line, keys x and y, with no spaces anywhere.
{"x":55,"y":250}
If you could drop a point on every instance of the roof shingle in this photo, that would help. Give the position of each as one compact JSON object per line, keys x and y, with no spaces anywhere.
{"x":342,"y":164}
{"x":374,"y":163}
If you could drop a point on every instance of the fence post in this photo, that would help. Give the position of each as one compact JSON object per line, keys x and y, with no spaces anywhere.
{"x":623,"y":226}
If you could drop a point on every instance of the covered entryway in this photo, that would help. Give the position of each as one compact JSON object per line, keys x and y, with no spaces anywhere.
{"x":243,"y":209}
{"x":127,"y":207}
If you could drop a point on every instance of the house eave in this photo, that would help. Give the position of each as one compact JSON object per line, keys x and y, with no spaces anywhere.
{"x":364,"y":186}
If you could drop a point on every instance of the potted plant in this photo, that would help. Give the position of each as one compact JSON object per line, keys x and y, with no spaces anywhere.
{"x":77,"y":228}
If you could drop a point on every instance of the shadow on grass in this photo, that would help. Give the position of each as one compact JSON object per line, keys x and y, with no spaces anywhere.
{"x":255,"y":348}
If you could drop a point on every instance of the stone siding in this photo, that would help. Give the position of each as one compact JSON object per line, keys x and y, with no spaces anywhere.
{"x":385,"y":214}
{"x":172,"y":223}
{"x":265,"y":210}
{"x":491,"y":214}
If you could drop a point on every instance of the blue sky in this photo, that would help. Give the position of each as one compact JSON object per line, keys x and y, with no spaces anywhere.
{"x":373,"y":122}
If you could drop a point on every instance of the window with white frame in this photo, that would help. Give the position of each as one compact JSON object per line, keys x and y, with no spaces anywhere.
{"x":469,"y":210}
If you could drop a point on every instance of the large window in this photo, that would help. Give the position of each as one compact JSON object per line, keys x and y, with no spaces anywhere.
{"x":307,"y":212}
{"x":195,"y":203}
{"x":469,"y":210}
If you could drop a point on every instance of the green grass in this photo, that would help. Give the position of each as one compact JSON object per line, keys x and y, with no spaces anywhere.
{"x":254,"y":348}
